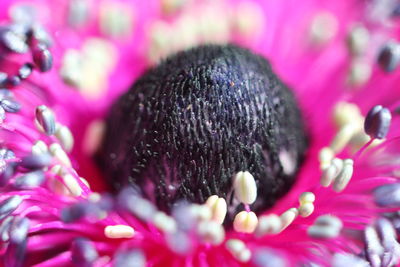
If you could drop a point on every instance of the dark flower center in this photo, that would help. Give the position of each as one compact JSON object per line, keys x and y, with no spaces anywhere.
{"x":187,"y":126}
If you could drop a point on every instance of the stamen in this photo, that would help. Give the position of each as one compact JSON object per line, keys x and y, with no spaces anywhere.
{"x":307,"y":197}
{"x":42,"y":58}
{"x":288,"y":217}
{"x":245,"y":187}
{"x":340,"y":182}
{"x":29,"y":180}
{"x":39,"y":148}
{"x":358,"y":40}
{"x":218,"y":208}
{"x":78,"y":13}
{"x":389,"y":57}
{"x":326,"y":155}
{"x":132,"y":258}
{"x":359,"y":73}
{"x":46,"y":120}
{"x":60,"y":155}
{"x":13,"y":41}
{"x":211,"y":232}
{"x":7,"y":173}
{"x":8,"y":205}
{"x":5,"y":228}
{"x":377,"y":122}
{"x":268,"y":257}
{"x":119,"y":231}
{"x":25,"y":71}
{"x":391,"y":247}
{"x":325,"y":226}
{"x":238,"y":250}
{"x":344,"y":259}
{"x":164,"y":222}
{"x":34,"y":162}
{"x":245,"y":222}
{"x":83,"y":252}
{"x":10,"y":105}
{"x":306,"y":209}
{"x":268,"y":224}
{"x":323,"y":28}
{"x":388,"y":195}
{"x":203,"y":213}
{"x":72,"y":184}
{"x":374,"y":249}
{"x":19,"y":230}
{"x":64,"y":135}
{"x":330,"y":173}
{"x":343,"y":137}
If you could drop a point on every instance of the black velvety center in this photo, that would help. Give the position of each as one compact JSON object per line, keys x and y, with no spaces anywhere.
{"x":187,"y":126}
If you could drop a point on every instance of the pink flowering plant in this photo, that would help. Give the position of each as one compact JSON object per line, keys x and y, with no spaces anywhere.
{"x":214,"y":156}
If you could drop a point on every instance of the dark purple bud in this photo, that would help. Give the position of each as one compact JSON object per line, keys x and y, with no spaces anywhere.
{"x":133,"y":258}
{"x":42,"y":58}
{"x":10,"y":105}
{"x":13,"y":41}
{"x":19,"y":230}
{"x":389,"y":56}
{"x":75,"y":212}
{"x":13,"y":81}
{"x":5,"y":93}
{"x":5,"y":227}
{"x":3,"y":78}
{"x":29,"y":180}
{"x":377,"y":122}
{"x":25,"y":71}
{"x":8,"y":205}
{"x":7,"y":173}
{"x":45,"y":118}
{"x":84,"y":253}
{"x":34,"y":162}
{"x":388,"y":195}
{"x":268,"y":257}
{"x":187,"y":126}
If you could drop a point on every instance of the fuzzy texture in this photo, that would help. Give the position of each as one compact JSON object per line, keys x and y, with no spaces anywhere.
{"x":189,"y":125}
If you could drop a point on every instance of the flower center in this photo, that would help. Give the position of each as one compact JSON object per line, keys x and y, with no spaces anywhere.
{"x":187,"y":126}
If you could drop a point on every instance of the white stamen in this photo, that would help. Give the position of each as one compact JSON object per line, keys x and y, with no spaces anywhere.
{"x":72,"y":184}
{"x":201,"y":212}
{"x":211,"y":232}
{"x":119,"y":231}
{"x":245,"y":222}
{"x":39,"y":148}
{"x":343,"y":137}
{"x":65,"y":137}
{"x":345,"y":113}
{"x":330,"y":173}
{"x":288,"y":217}
{"x":307,"y":197}
{"x":268,"y":224}
{"x":245,"y":187}
{"x":218,"y":208}
{"x":238,"y":249}
{"x":164,"y":222}
{"x":358,"y":40}
{"x":341,"y":181}
{"x":85,"y":182}
{"x":326,"y":155}
{"x":60,"y":155}
{"x":306,"y":209}
{"x":288,"y":162}
{"x":326,"y":226}
{"x":359,"y":73}
{"x":323,"y":28}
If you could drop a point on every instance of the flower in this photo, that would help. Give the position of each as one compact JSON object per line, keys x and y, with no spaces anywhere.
{"x":62,"y":65}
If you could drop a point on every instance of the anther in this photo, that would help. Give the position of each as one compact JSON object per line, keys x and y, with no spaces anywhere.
{"x":325,"y":226}
{"x":238,"y":250}
{"x":164,"y":222}
{"x":60,"y":155}
{"x":245,"y":222}
{"x":218,"y":208}
{"x":306,"y":197}
{"x":29,"y":180}
{"x":64,"y":135}
{"x":330,"y":173}
{"x":119,"y":231}
{"x":268,"y":224}
{"x":245,"y":187}
{"x":358,"y":40}
{"x":211,"y":232}
{"x":72,"y":184}
{"x":8,"y":205}
{"x":288,"y":217}
{"x":389,"y":56}
{"x":377,"y":122}
{"x":42,"y":58}
{"x":45,"y":119}
{"x":340,"y":182}
{"x":39,"y":148}
{"x":326,"y":155}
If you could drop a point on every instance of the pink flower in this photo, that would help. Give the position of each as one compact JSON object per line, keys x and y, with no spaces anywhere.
{"x":62,"y":65}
